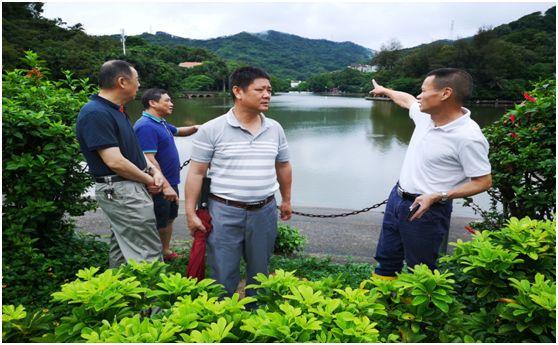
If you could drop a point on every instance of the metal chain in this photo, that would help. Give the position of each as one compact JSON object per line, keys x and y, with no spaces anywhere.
{"x":182,"y":166}
{"x":346,"y":214}
{"x":185,"y":164}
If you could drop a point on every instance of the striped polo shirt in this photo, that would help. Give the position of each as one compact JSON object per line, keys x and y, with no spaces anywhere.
{"x":242,"y":165}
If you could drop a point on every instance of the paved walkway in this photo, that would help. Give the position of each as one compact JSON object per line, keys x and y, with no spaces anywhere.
{"x":354,"y":236}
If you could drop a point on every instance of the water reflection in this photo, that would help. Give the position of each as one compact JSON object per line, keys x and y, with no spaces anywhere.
{"x":390,"y":123}
{"x":346,"y":152}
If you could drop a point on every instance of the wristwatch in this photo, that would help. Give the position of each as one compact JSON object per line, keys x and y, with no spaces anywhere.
{"x":444,"y":196}
{"x":148,"y":170}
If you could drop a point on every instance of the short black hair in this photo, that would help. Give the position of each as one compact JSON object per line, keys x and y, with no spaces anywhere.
{"x":151,"y":95}
{"x":244,"y":76}
{"x":457,"y":79}
{"x":112,"y":70}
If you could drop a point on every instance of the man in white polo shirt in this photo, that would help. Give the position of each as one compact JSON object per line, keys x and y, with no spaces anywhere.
{"x":447,"y":158}
{"x":249,"y":160}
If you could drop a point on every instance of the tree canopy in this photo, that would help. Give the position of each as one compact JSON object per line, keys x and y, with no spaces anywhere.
{"x":503,"y":60}
{"x":66,"y":47}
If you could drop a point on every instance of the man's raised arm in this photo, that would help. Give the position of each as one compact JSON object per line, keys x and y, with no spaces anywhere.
{"x":400,"y":98}
{"x":186,"y":131}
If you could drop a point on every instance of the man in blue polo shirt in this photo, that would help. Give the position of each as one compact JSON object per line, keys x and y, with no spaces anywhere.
{"x":156,"y":137}
{"x":123,"y":176}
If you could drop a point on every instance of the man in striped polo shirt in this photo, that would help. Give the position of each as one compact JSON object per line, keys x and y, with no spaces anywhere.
{"x":249,"y":160}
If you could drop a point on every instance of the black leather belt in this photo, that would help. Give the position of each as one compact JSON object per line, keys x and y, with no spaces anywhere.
{"x":245,"y":205}
{"x":405,"y":195}
{"x":109,"y":178}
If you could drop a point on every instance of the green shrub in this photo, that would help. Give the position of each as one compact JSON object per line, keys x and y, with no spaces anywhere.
{"x":132,"y":330}
{"x":483,"y":266}
{"x":532,"y":312}
{"x":527,"y":314}
{"x":29,"y":277}
{"x":523,"y":158}
{"x":312,"y":268}
{"x":487,"y":291}
{"x":43,"y":183}
{"x":180,"y":264}
{"x":494,"y":274}
{"x":295,"y":310}
{"x":289,"y":240}
{"x":20,"y":326}
{"x":116,"y":294}
{"x":418,"y":304}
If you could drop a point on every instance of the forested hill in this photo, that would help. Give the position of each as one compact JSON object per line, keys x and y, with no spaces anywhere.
{"x":64,"y":47}
{"x":503,"y":61}
{"x":279,"y":53}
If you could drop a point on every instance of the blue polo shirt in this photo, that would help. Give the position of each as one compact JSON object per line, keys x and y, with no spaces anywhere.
{"x":101,"y":124}
{"x":157,"y":136}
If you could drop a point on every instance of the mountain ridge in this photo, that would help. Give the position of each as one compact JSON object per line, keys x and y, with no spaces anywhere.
{"x":283,"y":54}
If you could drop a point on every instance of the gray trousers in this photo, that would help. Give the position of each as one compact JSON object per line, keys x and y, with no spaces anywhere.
{"x":132,"y":222}
{"x":240,"y":233}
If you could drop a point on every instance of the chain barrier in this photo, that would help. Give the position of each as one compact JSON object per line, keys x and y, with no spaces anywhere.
{"x":346,"y":214}
{"x":185,"y":164}
{"x":182,"y":166}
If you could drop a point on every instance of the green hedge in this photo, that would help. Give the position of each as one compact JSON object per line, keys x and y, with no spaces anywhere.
{"x":43,"y":183}
{"x":500,"y":287}
{"x":523,"y":158}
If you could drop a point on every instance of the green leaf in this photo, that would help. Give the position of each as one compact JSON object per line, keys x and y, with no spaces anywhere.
{"x":441,"y":305}
{"x":420,"y":300}
{"x":407,"y":316}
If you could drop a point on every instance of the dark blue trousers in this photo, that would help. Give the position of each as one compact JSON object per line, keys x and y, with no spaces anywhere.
{"x":415,"y":242}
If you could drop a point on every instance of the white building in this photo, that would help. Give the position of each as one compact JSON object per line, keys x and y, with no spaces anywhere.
{"x":364,"y":68}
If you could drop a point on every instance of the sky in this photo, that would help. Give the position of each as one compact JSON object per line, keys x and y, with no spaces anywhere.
{"x":369,"y":24}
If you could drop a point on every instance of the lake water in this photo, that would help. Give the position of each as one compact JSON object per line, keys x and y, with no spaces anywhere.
{"x":346,"y":152}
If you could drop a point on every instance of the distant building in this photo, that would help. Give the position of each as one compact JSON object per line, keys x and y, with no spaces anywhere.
{"x":364,"y":68}
{"x":295,"y":83}
{"x":190,"y":64}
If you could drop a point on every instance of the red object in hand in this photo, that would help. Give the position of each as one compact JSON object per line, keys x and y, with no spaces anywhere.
{"x":196,"y":264}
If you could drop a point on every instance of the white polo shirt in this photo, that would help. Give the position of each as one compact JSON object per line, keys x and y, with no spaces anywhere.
{"x":441,"y":158}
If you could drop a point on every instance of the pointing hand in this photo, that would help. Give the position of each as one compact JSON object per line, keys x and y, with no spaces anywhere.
{"x":378,"y":89}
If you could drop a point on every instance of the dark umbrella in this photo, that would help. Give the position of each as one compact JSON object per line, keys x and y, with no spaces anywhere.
{"x":196,"y":264}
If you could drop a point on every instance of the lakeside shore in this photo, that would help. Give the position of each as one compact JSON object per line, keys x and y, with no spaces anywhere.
{"x":354,"y":237}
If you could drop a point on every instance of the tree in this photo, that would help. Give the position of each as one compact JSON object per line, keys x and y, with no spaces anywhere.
{"x":279,"y":84}
{"x":503,"y":61}
{"x":22,"y":10}
{"x":198,"y":83}
{"x":320,"y":83}
{"x":388,"y":55}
